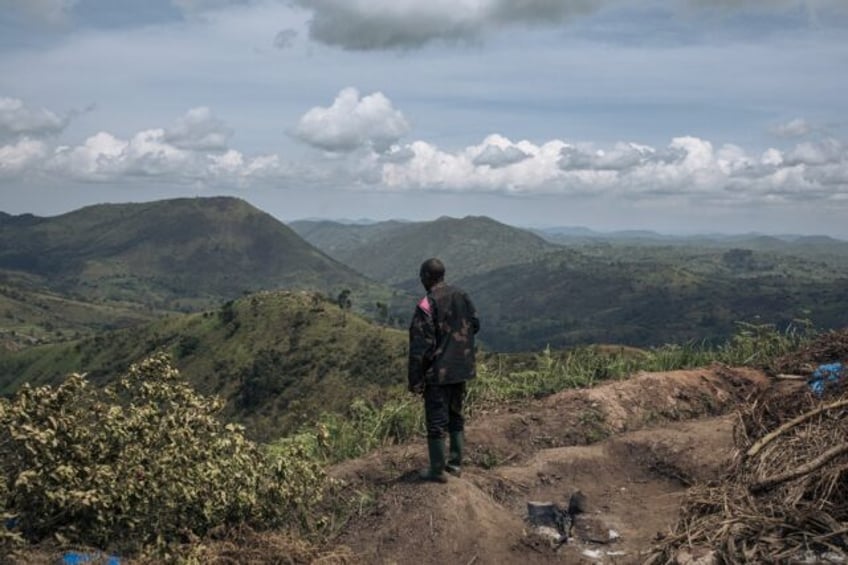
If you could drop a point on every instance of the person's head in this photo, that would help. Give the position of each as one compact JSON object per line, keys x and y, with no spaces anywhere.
{"x":431,"y":273}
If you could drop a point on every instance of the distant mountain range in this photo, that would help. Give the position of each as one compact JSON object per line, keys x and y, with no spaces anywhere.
{"x":579,"y":235}
{"x":566,"y":232}
{"x":637,"y":288}
{"x":116,"y":264}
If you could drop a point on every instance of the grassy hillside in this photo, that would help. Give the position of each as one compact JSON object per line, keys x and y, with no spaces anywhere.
{"x":278,"y":358}
{"x":181,"y":253}
{"x":392,"y":252}
{"x":29,"y":316}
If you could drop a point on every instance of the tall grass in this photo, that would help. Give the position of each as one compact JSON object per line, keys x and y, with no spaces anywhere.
{"x":505,"y":378}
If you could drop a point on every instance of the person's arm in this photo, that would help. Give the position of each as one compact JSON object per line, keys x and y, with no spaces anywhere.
{"x":422,"y":344}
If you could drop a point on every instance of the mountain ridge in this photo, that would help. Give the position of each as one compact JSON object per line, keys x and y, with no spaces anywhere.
{"x":392,"y":252}
{"x":168,"y":251}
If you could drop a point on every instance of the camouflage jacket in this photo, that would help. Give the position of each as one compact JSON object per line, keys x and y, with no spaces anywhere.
{"x":441,"y":338}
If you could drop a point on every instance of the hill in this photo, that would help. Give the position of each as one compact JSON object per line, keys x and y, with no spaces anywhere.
{"x":279,"y":359}
{"x":392,"y":252}
{"x":173,"y":254}
{"x":651,"y":296}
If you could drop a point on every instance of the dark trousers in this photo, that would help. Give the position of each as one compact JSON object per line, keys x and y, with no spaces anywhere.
{"x":443,"y":409}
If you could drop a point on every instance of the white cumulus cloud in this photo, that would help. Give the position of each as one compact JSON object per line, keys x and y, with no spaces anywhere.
{"x":194,"y":150}
{"x":824,"y":152}
{"x":620,"y":157}
{"x":21,"y":156}
{"x":18,"y":119}
{"x":688,"y":165}
{"x":352,"y":123}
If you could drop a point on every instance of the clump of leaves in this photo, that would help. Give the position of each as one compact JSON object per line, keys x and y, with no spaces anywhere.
{"x":140,"y":464}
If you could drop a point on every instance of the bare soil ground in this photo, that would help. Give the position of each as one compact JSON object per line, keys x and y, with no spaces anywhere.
{"x":631,"y":447}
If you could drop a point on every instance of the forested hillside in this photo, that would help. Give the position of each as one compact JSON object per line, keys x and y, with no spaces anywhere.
{"x":649,"y":299}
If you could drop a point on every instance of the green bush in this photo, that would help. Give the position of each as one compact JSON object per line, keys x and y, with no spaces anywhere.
{"x":141,"y":463}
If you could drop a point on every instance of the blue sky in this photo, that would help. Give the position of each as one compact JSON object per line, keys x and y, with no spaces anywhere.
{"x":685,"y":116}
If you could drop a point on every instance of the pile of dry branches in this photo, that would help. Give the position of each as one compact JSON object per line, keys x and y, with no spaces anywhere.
{"x":786,"y":497}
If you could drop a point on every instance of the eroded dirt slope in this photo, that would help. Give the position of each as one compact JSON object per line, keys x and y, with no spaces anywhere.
{"x":631,"y":447}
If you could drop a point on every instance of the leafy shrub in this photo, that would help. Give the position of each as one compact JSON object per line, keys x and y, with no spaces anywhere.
{"x":143,"y":462}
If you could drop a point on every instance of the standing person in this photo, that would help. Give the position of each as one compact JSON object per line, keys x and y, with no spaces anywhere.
{"x":441,"y":361}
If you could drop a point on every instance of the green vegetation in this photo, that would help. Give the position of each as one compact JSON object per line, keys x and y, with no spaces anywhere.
{"x":29,"y":316}
{"x":508,"y":378}
{"x":182,"y":254}
{"x":112,"y":265}
{"x":638,"y":289}
{"x":144,"y":462}
{"x":303,"y":371}
{"x":649,"y":298}
{"x":277,"y":358}
{"x":392,"y":252}
{"x":140,"y":465}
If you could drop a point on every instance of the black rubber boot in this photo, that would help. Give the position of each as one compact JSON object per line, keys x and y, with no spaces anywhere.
{"x":436,"y":471}
{"x":454,"y":465}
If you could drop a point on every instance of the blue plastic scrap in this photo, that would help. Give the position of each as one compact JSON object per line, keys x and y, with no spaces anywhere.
{"x":78,"y":558}
{"x":824,"y":374}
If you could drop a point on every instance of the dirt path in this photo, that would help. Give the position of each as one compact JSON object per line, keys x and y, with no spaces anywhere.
{"x":631,"y":447}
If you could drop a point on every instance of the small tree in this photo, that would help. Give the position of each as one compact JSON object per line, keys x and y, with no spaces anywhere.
{"x":344,"y":302}
{"x":343,"y":299}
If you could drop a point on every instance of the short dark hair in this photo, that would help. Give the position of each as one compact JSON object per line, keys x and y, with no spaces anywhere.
{"x":432,"y":269}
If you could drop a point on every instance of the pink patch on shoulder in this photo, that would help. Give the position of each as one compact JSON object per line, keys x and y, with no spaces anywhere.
{"x":424,"y":304}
